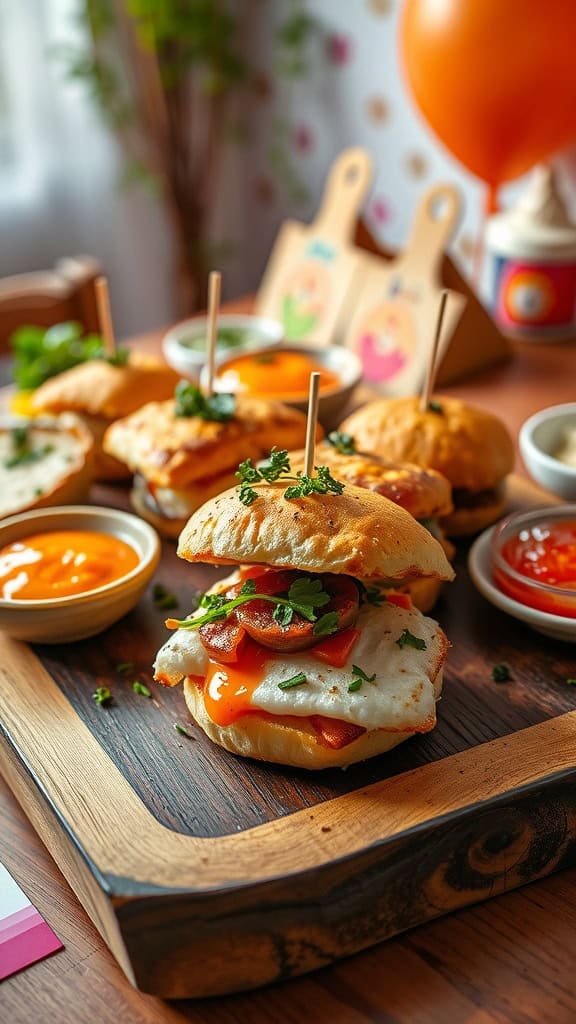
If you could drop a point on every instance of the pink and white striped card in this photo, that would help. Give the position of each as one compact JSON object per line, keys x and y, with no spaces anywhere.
{"x":24,"y":935}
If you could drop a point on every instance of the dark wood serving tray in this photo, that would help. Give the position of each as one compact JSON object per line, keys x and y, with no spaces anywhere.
{"x":207,"y":873}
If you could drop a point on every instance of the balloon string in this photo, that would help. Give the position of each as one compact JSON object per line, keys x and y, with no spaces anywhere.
{"x":489,"y":207}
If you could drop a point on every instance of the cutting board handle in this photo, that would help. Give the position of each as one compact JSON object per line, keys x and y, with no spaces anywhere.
{"x":346,"y":188}
{"x":435,"y":222}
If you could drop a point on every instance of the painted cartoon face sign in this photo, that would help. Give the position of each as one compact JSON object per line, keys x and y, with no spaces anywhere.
{"x":388,"y":336}
{"x":306,"y":294}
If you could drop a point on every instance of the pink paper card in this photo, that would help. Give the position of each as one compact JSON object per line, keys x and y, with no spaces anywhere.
{"x":24,"y":935}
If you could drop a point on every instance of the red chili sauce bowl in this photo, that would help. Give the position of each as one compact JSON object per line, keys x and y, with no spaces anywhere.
{"x":534,"y":559}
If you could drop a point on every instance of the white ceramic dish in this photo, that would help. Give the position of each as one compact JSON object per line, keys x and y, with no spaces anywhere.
{"x":480,"y":567}
{"x":540,"y":436}
{"x":190,"y":361}
{"x":332,"y":404}
{"x":64,"y":619}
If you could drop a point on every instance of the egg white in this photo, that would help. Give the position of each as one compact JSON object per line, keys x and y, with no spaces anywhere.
{"x":401,"y":697}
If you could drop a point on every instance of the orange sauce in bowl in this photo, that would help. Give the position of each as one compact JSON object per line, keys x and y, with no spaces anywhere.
{"x":275,"y":373}
{"x":61,"y":563}
{"x":543,"y":558}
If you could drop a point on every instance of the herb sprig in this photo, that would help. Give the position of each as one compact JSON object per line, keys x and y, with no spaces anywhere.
{"x":343,"y":443}
{"x":360,"y":677}
{"x":22,"y":451}
{"x":407,"y":639}
{"x":304,"y":597}
{"x":278,"y":467}
{"x":218,"y":408}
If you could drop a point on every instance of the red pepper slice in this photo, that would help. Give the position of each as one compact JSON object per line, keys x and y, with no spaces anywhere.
{"x":335,"y":650}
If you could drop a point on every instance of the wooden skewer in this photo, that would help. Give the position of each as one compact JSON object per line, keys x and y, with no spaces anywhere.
{"x":313,"y":397}
{"x":432,"y":367}
{"x":214,"y":286}
{"x":105,"y":315}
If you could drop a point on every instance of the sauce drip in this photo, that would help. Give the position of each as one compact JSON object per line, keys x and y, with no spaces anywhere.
{"x":228,"y":688}
{"x":61,"y":563}
{"x":274,"y":373}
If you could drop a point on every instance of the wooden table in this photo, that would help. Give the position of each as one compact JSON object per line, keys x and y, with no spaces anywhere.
{"x":510,"y":960}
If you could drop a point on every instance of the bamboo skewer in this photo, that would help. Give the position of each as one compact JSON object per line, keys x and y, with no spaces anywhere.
{"x":313,"y":397}
{"x":104,"y":314}
{"x":214,"y":286}
{"x":432,"y":367}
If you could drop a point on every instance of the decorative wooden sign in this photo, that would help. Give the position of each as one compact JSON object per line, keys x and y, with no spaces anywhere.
{"x":389,"y":321}
{"x":313,"y":267}
{"x":206,"y":873}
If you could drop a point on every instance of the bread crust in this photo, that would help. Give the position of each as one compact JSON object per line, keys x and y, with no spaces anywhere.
{"x":174,"y":452}
{"x":471,"y":447}
{"x":100,"y":389}
{"x":358,"y":533}
{"x":425,"y":493}
{"x":290,"y":740}
{"x":467,"y":520}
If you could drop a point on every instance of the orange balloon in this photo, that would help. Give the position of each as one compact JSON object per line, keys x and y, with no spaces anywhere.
{"x":495,"y":79}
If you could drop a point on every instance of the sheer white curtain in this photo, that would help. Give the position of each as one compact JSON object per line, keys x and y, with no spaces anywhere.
{"x":59,"y":171}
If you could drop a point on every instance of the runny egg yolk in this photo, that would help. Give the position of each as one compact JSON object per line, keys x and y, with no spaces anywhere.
{"x":228,"y":689}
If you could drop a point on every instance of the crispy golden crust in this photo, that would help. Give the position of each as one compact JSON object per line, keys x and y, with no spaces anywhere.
{"x":472,"y":448}
{"x":99,"y":389}
{"x":173,"y":451}
{"x":468,"y":520}
{"x":291,"y":740}
{"x":424,"y":493}
{"x":357,"y":532}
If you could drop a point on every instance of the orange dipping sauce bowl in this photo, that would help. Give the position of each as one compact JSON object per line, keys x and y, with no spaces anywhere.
{"x":534,"y":559}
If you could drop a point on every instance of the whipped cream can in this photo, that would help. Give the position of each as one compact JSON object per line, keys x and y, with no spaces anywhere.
{"x":532,"y":252}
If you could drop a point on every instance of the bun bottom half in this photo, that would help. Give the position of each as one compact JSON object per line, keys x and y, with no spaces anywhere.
{"x":424,"y":593}
{"x":466,"y":521}
{"x":289,"y":740}
{"x":169,"y":528}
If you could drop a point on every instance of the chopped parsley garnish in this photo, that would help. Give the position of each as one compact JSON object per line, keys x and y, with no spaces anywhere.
{"x":571,"y":682}
{"x":124,"y":668}
{"x":278,"y":467}
{"x":219,"y":407}
{"x":118,"y":358}
{"x":501,"y":673}
{"x":343,"y":443}
{"x":183,"y":732}
{"x":102,"y":695}
{"x":303,"y":598}
{"x":163,"y":598}
{"x":326,"y":625}
{"x":22,"y":450}
{"x":407,"y":639}
{"x":371,"y":595}
{"x":140,"y":688}
{"x":360,"y":677}
{"x":435,"y":406}
{"x":288,"y":684}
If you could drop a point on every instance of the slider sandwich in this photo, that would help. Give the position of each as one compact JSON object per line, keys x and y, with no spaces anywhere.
{"x":295,"y":658}
{"x":102,"y":390}
{"x":470,"y":447}
{"x":187,"y":450}
{"x":424,"y":493}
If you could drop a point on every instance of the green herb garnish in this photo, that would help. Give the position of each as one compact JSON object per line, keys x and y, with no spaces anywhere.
{"x":102,"y":695}
{"x":501,"y":673}
{"x":343,"y":443}
{"x":360,"y":677}
{"x":265,"y":358}
{"x":40,"y":353}
{"x":435,"y":406}
{"x":118,"y":358}
{"x":183,"y":732}
{"x":303,"y":598}
{"x":124,"y":668}
{"x":163,"y":598}
{"x":407,"y":639}
{"x":278,"y":467}
{"x":218,"y":408}
{"x":288,"y":684}
{"x":140,"y":688}
{"x":571,"y":682}
{"x":22,"y":451}
{"x":326,"y":625}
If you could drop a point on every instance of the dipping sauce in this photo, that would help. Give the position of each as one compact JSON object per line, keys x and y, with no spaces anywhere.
{"x":567,"y":451}
{"x":60,"y":563}
{"x":274,"y":373}
{"x":543,"y":559}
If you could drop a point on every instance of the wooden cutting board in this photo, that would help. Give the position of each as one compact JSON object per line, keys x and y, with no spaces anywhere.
{"x":207,"y":873}
{"x":313,"y":268}
{"x":390,"y":319}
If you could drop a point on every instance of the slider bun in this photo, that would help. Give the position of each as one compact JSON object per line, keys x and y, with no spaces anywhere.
{"x":107,"y":391}
{"x":425,"y":493}
{"x":290,"y":740}
{"x":471,"y":447}
{"x":465,"y":521}
{"x":357,"y":532}
{"x":169,"y":526}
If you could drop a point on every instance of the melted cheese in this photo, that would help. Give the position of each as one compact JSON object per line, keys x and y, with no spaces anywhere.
{"x":402,"y":696}
{"x":22,"y":485}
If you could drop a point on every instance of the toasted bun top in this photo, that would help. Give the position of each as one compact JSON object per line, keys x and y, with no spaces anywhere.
{"x":100,"y":389}
{"x":174,"y":451}
{"x":358,"y":533}
{"x":424,"y":493}
{"x":472,"y":448}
